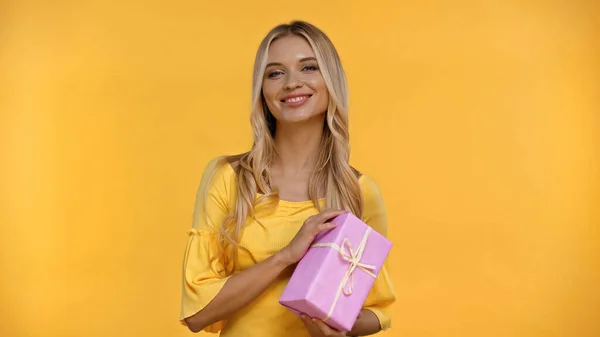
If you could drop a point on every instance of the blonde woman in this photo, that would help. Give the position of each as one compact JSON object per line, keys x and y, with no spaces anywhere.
{"x":257,"y":213}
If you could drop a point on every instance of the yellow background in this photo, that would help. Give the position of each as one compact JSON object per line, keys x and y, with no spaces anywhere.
{"x":479,"y":120}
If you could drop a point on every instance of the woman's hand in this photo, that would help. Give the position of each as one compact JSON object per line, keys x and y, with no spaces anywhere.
{"x":296,"y":249}
{"x":317,"y":328}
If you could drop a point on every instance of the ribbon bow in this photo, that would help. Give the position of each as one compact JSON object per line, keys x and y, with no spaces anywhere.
{"x":353,"y":257}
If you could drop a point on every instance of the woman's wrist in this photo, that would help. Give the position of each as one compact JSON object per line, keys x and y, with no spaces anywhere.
{"x":283,"y":259}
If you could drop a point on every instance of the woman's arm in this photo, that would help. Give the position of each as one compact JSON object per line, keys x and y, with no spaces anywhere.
{"x":366,"y":324}
{"x":240,"y":289}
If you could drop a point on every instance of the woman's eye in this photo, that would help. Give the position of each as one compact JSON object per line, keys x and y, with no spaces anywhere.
{"x":275,"y":73}
{"x":310,"y":68}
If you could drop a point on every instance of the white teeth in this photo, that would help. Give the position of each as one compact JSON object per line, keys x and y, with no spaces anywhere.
{"x":296,"y":99}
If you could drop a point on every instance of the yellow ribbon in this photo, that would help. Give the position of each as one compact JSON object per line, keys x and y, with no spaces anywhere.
{"x":353,"y":257}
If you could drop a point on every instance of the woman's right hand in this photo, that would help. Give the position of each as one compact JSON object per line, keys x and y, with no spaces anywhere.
{"x":296,"y":249}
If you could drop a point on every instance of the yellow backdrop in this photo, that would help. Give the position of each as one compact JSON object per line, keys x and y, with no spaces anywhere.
{"x":479,"y":120}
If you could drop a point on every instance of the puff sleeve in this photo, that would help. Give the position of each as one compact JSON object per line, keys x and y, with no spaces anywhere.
{"x":200,"y":279}
{"x":382,"y":295}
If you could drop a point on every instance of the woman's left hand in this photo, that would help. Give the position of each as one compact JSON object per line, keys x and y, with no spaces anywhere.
{"x":317,"y":328}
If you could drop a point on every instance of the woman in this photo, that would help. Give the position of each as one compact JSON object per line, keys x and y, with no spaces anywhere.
{"x":257,"y":213}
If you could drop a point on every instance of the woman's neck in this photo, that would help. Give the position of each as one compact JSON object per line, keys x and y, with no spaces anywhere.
{"x":297,"y":146}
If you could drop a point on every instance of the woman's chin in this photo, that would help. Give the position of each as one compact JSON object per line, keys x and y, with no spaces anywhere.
{"x":300,"y":116}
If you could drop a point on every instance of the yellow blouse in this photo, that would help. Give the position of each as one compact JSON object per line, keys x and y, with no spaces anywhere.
{"x":264,"y":316}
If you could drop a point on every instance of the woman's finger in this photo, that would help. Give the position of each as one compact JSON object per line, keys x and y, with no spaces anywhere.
{"x":312,"y":328}
{"x":325,"y":329}
{"x":325,"y":226}
{"x":327,"y":215}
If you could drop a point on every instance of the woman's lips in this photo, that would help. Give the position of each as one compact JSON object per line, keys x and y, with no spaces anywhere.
{"x":296,"y":101}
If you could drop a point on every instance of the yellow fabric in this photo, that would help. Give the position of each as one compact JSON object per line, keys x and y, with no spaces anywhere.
{"x":263,"y":317}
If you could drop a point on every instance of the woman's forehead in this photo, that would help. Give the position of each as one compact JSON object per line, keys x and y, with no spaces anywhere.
{"x":289,"y":49}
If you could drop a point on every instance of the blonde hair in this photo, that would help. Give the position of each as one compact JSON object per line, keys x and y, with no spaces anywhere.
{"x":332,"y":167}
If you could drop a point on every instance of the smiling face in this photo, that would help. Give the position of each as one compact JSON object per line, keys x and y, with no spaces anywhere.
{"x":293,"y":86}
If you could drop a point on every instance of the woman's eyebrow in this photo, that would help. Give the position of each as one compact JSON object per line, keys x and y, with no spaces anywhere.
{"x":304,"y":59}
{"x":310,"y":58}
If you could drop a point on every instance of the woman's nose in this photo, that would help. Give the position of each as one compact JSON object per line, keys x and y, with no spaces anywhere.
{"x":291,"y":82}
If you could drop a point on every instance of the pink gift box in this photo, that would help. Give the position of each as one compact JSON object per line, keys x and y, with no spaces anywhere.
{"x":334,"y":278}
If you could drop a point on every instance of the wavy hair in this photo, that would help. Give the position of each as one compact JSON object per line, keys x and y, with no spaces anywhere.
{"x":332,"y":167}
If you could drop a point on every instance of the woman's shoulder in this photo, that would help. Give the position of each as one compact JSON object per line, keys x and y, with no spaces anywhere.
{"x":234,"y":160}
{"x":218,"y":176}
{"x":221,"y":174}
{"x":374,"y":210}
{"x":368,"y":185}
{"x":217,"y":168}
{"x":223,"y":166}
